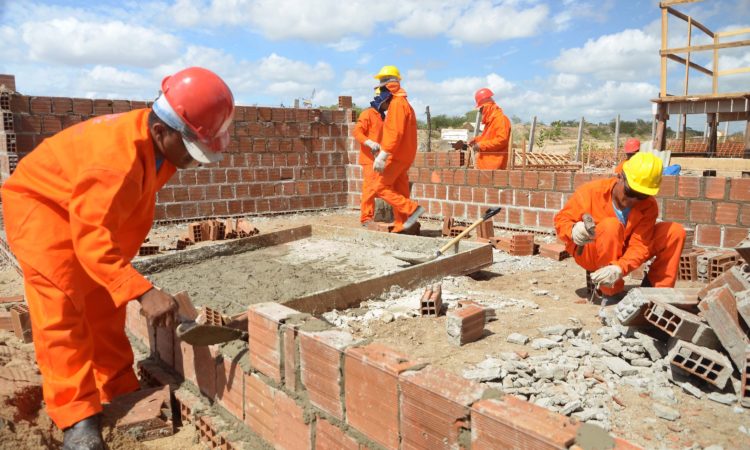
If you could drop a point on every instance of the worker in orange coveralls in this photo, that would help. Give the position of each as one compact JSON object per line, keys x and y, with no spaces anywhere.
{"x":397,"y":151}
{"x":491,"y":147}
{"x":76,"y":211}
{"x":632,"y":146}
{"x":368,"y":132}
{"x":627,"y":234}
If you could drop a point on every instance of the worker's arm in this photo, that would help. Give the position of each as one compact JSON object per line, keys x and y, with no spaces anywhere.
{"x":362,"y":127}
{"x":395,"y":123}
{"x":499,"y":142}
{"x":571,"y":213}
{"x":102,"y":200}
{"x":636,"y":252}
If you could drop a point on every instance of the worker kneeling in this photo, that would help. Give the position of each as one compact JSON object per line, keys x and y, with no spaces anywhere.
{"x":627,"y":234}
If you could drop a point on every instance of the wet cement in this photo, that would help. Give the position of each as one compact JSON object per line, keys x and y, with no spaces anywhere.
{"x":276,"y":274}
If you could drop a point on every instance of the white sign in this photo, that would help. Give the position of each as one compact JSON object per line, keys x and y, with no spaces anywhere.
{"x":453,"y":135}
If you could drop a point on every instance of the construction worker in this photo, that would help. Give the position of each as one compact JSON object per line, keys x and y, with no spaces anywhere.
{"x":632,"y":146}
{"x":397,"y":151}
{"x":491,"y":147}
{"x":368,"y":132}
{"x":627,"y":234}
{"x":76,"y":211}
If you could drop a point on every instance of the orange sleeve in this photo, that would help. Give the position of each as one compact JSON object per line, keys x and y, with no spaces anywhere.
{"x":394,"y":126}
{"x":571,"y":213}
{"x":101,"y":201}
{"x":499,"y":142}
{"x":362,"y":127}
{"x":636,"y":252}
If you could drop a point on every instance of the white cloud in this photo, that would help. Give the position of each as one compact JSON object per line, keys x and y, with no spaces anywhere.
{"x":487,"y":22}
{"x":110,"y":82}
{"x":71,"y":41}
{"x":346,"y":44}
{"x":275,"y":67}
{"x":627,"y":55}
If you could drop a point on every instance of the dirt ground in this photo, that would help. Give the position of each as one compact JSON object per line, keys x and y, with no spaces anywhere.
{"x":532,"y":292}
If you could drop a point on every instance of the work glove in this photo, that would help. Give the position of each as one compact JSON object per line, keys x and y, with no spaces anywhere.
{"x":374,"y":146}
{"x":379,"y":164}
{"x":580,"y":235}
{"x":607,"y":275}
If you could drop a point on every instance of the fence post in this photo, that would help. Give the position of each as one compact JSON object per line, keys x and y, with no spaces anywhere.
{"x":578,"y":145}
{"x":617,"y":136}
{"x":429,"y":128}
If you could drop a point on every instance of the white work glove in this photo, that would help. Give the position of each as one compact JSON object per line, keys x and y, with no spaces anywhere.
{"x":607,"y":275}
{"x":374,"y":146}
{"x":580,"y":235}
{"x":379,"y":165}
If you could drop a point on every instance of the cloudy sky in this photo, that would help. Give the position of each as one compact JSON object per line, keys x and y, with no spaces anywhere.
{"x":557,"y":59}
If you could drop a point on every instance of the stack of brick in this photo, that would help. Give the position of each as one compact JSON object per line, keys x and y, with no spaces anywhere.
{"x":216,"y":230}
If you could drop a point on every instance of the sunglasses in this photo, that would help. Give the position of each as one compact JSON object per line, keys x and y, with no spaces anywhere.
{"x":629,"y":192}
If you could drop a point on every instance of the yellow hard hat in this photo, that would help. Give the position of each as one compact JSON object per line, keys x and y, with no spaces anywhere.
{"x":388,"y":71}
{"x":643,"y":173}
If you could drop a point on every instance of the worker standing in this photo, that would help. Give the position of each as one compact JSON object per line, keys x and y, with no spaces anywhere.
{"x":632,"y":146}
{"x":76,"y":211}
{"x":397,"y":151}
{"x":369,"y":132}
{"x":627,"y":234}
{"x":491,"y":147}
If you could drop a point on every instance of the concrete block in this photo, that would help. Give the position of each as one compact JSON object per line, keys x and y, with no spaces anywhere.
{"x":619,"y":366}
{"x":683,"y":298}
{"x":680,"y":324}
{"x":745,"y":390}
{"x":743,"y":306}
{"x":720,"y":310}
{"x":734,"y":278}
{"x":702,"y":362}
{"x":629,"y":311}
{"x":435,"y":408}
{"x":144,"y":414}
{"x":371,"y":373}
{"x":465,"y":324}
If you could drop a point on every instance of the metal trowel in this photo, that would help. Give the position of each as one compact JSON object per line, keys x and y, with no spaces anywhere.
{"x":194,"y":331}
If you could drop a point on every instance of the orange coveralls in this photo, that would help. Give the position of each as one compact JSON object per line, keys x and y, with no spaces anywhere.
{"x":493,"y":142}
{"x":627,"y":246}
{"x":400,"y":141}
{"x":369,"y":126}
{"x":618,"y":168}
{"x":76,"y":211}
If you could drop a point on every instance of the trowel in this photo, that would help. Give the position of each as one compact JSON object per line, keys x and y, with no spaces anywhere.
{"x":423,"y":259}
{"x":194,"y":331}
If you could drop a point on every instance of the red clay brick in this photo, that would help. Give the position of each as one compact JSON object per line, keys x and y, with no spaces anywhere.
{"x":144,"y":414}
{"x":435,"y":407}
{"x":230,"y":387}
{"x":165,"y":345}
{"x":739,"y":189}
{"x":513,"y":423}
{"x":563,"y":181}
{"x":500,"y":178}
{"x":465,"y":324}
{"x":668,"y":187}
{"x":330,"y":437}
{"x":291,"y":430}
{"x":701,"y":211}
{"x":291,"y":357}
{"x":260,"y":409}
{"x":676,"y":210}
{"x":531,"y":180}
{"x":371,"y":391}
{"x":264,"y":323}
{"x":708,"y":235}
{"x":720,"y":311}
{"x":726,"y":213}
{"x":198,"y":365}
{"x":715,"y":187}
{"x":689,"y":187}
{"x":321,"y":357}
{"x":733,"y":236}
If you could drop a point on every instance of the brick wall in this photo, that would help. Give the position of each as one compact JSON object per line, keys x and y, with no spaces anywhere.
{"x":718,"y":208}
{"x":280,"y":159}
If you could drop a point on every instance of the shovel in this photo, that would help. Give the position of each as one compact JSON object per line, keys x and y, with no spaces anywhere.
{"x":423,"y":259}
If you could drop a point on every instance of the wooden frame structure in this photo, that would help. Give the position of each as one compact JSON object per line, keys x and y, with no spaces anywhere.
{"x":719,"y":107}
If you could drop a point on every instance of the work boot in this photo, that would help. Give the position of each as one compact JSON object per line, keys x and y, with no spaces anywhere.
{"x":646,"y":283}
{"x":414,"y":217}
{"x":84,"y":435}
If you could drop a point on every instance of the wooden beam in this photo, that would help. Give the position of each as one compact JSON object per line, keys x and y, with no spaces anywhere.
{"x":688,"y":19}
{"x":734,"y":71}
{"x":664,"y":37}
{"x":701,"y":48}
{"x":715,"y":68}
{"x":668,"y":3}
{"x":733,"y":32}
{"x":691,"y":64}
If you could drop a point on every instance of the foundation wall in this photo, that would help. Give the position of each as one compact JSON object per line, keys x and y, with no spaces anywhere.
{"x":303,"y":389}
{"x":718,"y":208}
{"x":279,"y":160}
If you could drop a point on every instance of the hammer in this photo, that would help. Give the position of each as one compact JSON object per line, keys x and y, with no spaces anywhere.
{"x":588,"y":222}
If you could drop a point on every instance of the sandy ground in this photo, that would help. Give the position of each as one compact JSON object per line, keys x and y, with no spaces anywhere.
{"x":537,"y":292}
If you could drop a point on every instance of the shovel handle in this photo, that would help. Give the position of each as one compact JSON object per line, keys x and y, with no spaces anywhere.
{"x":490,"y":212}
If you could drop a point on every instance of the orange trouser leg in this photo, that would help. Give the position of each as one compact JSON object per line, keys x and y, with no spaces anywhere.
{"x":75,"y":353}
{"x":367,"y":203}
{"x":391,"y":186}
{"x":607,"y":247}
{"x":669,"y":237}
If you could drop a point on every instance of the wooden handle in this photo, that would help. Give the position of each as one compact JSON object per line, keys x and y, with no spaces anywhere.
{"x":453,"y":241}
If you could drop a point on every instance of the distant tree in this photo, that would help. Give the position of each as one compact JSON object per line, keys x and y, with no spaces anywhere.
{"x":515,"y":119}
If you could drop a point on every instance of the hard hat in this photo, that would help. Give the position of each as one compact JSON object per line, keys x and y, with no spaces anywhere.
{"x":197,"y":103}
{"x":388,"y":72}
{"x":632,"y":145}
{"x":483,"y":96}
{"x":643,"y":173}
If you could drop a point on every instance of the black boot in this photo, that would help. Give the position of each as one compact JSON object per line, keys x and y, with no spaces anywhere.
{"x":84,"y":435}
{"x":646,"y":283}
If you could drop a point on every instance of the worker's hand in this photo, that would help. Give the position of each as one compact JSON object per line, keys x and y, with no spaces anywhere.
{"x":379,"y":164}
{"x":374,"y":146}
{"x":158,"y":307}
{"x":607,"y":275}
{"x":580,"y":235}
{"x":474,"y":146}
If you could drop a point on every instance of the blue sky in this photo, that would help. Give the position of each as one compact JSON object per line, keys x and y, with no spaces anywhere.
{"x":557,"y":59}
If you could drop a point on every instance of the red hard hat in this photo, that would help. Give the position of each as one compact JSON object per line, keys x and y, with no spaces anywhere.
{"x":197,"y":102}
{"x":632,"y":145}
{"x":483,"y":96}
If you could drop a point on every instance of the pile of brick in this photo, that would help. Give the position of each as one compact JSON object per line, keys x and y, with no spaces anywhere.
{"x":14,"y":317}
{"x":216,"y":230}
{"x":708,"y":329}
{"x":387,"y":227}
{"x":519,"y":244}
